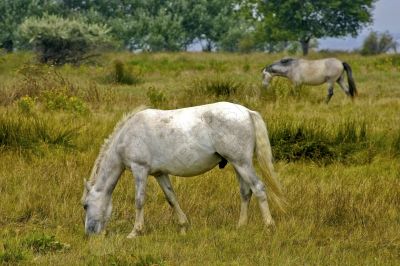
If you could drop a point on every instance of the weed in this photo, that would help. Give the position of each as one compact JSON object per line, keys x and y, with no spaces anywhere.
{"x":42,"y":243}
{"x":26,"y":105}
{"x":12,"y":254}
{"x":395,"y":147}
{"x":156,"y":97}
{"x":149,"y":260}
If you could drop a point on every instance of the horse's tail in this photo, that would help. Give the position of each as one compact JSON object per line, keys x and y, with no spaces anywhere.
{"x":264,"y":157}
{"x":352,"y":85}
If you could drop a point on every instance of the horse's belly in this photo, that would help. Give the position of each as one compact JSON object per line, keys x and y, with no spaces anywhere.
{"x":187,"y":163}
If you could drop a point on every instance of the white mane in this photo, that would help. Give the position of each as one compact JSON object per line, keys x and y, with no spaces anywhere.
{"x":108,"y":140}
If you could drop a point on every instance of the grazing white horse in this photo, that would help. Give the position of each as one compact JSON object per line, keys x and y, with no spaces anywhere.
{"x":313,"y":72}
{"x":182,"y":142}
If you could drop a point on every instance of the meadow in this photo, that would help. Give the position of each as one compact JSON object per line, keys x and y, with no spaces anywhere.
{"x":339,"y":163}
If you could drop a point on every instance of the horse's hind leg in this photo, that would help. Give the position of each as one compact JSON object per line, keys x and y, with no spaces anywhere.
{"x":342,"y":85}
{"x":330,"y":93}
{"x":249,"y":176}
{"x":245,"y":195}
{"x":166,"y":186}
{"x":140,"y":172}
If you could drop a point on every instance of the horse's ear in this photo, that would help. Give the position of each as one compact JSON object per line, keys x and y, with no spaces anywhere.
{"x":286,"y":60}
{"x":86,"y":184}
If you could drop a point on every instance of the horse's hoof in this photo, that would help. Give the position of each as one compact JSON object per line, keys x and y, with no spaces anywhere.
{"x":133,"y":234}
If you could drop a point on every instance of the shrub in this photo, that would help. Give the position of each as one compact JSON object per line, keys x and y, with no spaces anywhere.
{"x":121,"y":75}
{"x":59,"y":41}
{"x":311,"y":141}
{"x":59,"y":101}
{"x":217,"y":86}
{"x":26,"y":104}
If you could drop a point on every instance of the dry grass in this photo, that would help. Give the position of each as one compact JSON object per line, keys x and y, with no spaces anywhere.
{"x":339,"y":164}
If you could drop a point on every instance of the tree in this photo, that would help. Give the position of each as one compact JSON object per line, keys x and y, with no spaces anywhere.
{"x":13,"y":12}
{"x":293,"y":20}
{"x":376,"y":43}
{"x":59,"y":41}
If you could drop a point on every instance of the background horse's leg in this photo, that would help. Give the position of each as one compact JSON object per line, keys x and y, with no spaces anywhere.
{"x":330,"y":92}
{"x":140,"y":172}
{"x":342,"y":85}
{"x":249,"y":176}
{"x":166,"y":186}
{"x":245,"y":195}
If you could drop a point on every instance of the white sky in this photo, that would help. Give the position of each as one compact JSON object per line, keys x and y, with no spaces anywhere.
{"x":386,"y":18}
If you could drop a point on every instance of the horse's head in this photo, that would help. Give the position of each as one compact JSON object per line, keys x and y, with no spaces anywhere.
{"x":281,"y":67}
{"x":98,"y":207}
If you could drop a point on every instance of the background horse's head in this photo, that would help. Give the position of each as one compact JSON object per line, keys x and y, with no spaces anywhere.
{"x":279,"y":68}
{"x":98,"y":207}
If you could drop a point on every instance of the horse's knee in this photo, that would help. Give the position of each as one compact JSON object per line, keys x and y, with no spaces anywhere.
{"x":259,"y":190}
{"x":139,"y":202}
{"x":245,"y":193}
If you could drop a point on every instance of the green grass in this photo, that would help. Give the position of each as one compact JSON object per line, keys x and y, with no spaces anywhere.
{"x":339,"y":164}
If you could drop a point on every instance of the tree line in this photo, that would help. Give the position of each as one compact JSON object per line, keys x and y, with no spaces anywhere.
{"x":174,"y":25}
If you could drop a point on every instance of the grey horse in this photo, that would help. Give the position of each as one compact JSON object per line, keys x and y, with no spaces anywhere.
{"x":313,"y":72}
{"x":182,"y":142}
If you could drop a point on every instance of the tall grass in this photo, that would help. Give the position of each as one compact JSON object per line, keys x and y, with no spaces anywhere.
{"x":31,"y":132}
{"x":338,"y":164}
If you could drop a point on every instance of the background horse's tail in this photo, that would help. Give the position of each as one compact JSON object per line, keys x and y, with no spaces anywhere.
{"x":352,"y":85}
{"x":264,"y":157}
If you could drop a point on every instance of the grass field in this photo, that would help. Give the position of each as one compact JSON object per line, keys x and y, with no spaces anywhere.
{"x":339,"y":163}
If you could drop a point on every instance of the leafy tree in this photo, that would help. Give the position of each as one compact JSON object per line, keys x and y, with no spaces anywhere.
{"x":376,"y":43}
{"x":293,"y":20}
{"x":59,"y":41}
{"x":13,"y":12}
{"x":209,"y":20}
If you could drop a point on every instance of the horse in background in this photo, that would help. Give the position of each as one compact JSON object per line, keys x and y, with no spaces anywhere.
{"x":182,"y":142}
{"x":313,"y":72}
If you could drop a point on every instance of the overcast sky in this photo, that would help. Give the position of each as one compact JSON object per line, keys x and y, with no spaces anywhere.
{"x":386,"y":18}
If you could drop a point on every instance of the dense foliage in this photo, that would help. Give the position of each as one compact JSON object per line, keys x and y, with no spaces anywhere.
{"x":59,"y":41}
{"x":174,"y":25}
{"x":376,"y":43}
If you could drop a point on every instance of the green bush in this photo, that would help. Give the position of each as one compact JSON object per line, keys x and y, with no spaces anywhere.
{"x":58,"y":40}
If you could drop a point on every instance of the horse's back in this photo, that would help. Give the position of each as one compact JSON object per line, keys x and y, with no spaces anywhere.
{"x":316,"y":72}
{"x":187,"y":141}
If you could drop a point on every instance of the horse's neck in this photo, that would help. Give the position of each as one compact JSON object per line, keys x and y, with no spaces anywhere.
{"x":110,"y":169}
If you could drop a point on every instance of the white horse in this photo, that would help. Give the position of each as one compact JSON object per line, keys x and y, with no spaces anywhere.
{"x":182,"y":142}
{"x":313,"y":72}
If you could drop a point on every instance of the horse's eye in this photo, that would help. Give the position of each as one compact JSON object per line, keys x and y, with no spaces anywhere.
{"x":85,"y":207}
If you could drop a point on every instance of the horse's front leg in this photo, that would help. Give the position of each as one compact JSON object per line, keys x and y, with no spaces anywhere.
{"x":166,"y":186}
{"x":140,"y":172}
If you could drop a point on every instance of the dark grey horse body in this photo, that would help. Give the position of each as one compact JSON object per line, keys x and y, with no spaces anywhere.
{"x":313,"y":72}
